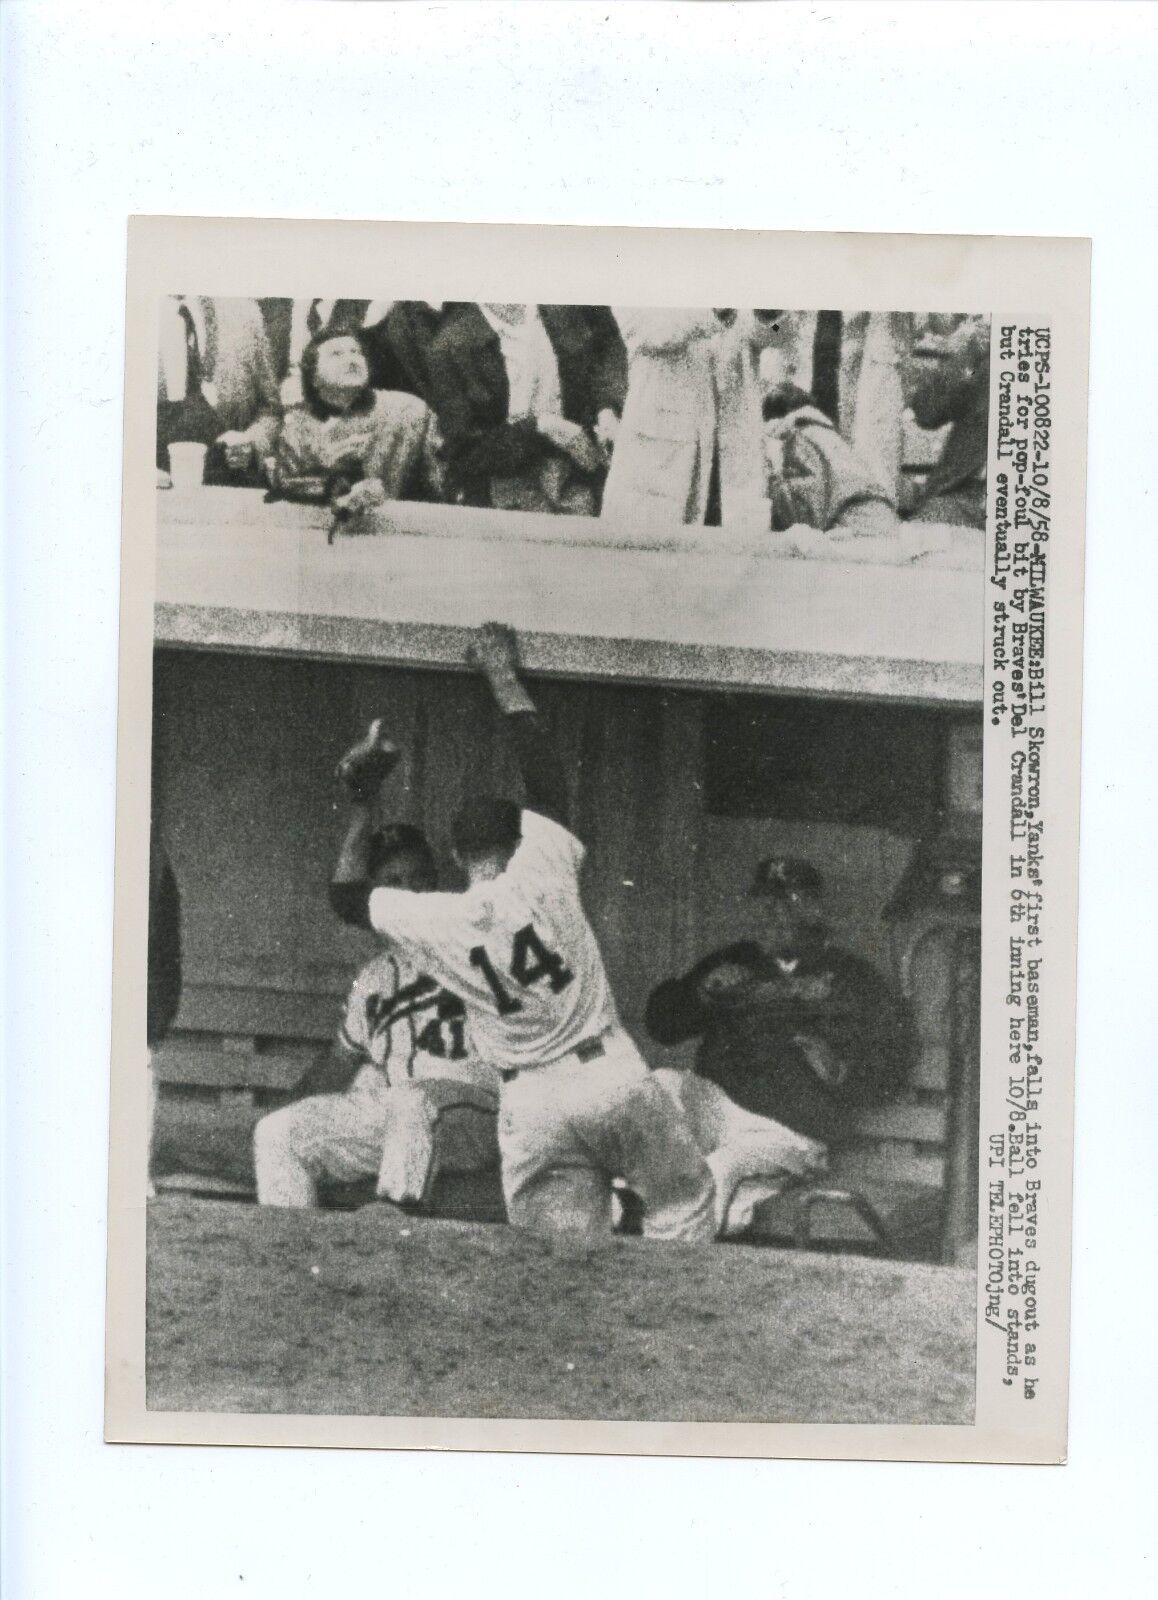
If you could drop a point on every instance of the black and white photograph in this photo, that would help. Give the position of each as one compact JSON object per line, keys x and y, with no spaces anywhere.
{"x":568,"y":572}
{"x":565,"y":860}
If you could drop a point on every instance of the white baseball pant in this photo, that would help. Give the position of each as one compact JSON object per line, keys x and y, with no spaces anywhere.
{"x":373,"y":1130}
{"x":751,"y":1158}
{"x":569,"y":1129}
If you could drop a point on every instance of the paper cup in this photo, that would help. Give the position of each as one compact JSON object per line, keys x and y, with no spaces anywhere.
{"x":187,"y":465}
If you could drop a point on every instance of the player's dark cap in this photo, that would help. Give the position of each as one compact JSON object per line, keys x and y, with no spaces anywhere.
{"x":485,"y":822}
{"x":787,"y":878}
{"x":400,"y":839}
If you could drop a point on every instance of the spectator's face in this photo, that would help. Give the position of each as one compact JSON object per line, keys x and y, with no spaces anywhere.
{"x":938,"y":374}
{"x":342,"y":366}
{"x":766,"y":330}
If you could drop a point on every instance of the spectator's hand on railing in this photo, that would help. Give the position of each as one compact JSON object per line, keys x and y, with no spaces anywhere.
{"x":364,"y":496}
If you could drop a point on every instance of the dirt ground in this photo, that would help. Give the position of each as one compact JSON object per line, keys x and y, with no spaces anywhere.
{"x":374,"y":1313}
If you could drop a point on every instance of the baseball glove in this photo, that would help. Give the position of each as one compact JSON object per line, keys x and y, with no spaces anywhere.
{"x":365,"y":765}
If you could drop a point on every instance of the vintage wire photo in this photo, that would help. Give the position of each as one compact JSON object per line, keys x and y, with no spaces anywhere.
{"x":597,"y":836}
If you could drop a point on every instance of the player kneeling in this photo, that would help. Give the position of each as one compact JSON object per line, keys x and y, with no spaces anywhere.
{"x":579,"y":1107}
{"x":419,"y":1102}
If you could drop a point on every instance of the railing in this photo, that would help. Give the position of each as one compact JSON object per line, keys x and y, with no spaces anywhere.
{"x":890,"y":618}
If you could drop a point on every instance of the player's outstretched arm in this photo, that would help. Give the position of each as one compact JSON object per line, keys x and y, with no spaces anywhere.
{"x":361,"y":771}
{"x":495,"y":652}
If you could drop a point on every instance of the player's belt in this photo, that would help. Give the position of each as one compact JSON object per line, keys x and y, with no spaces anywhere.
{"x":585,"y":1050}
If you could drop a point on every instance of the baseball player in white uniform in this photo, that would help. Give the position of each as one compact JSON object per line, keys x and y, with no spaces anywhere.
{"x":579,"y":1108}
{"x":419,"y":1103}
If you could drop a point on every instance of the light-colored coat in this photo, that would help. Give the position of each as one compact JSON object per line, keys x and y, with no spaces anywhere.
{"x":691,"y":383}
{"x":238,"y":379}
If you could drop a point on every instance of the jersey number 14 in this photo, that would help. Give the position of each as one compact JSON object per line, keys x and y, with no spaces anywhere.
{"x":531,"y":962}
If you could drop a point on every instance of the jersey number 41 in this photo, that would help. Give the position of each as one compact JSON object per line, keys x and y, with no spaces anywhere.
{"x":531,"y":962}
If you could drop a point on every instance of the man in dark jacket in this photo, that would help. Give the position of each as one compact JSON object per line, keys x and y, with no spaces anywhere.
{"x":398,"y":337}
{"x":790,"y":1028}
{"x":946,"y":381}
{"x":525,"y":397}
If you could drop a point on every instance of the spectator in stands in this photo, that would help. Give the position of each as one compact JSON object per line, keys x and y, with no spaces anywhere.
{"x":396,"y":336}
{"x":945,"y":381}
{"x":525,"y":397}
{"x":393,"y":438}
{"x":814,"y":476}
{"x":689,"y":448}
{"x":216,"y":386}
{"x":291,"y":324}
{"x":791,"y":1027}
{"x":406,"y":1098}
